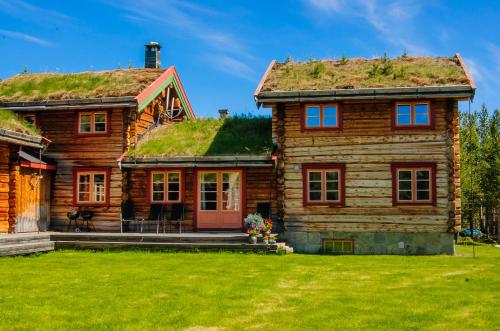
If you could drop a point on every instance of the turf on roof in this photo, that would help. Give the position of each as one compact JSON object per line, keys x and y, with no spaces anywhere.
{"x":50,"y":86}
{"x":232,"y":136}
{"x":10,"y":121}
{"x":365,"y":73}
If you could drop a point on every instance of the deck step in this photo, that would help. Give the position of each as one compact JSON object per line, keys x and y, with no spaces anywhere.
{"x":183,"y":246}
{"x":160,"y":238}
{"x":19,"y":238}
{"x":25,"y":248}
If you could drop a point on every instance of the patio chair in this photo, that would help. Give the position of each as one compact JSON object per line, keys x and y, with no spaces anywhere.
{"x":127,"y":216}
{"x":87,"y":219}
{"x":176,"y":216}
{"x":155,"y":216}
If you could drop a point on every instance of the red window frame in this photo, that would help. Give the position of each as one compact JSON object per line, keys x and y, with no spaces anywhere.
{"x":430,"y":125}
{"x":321,"y":127}
{"x":165,"y":171}
{"x":323,"y":167}
{"x":93,"y":133}
{"x":413,"y":166}
{"x":94,"y":170}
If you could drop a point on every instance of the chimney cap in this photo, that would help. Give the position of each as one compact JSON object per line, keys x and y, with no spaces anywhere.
{"x":153,"y":43}
{"x":223,"y":113}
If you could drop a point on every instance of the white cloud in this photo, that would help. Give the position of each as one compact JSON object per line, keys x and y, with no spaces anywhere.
{"x":32,"y":13}
{"x":232,"y":66}
{"x":391,"y":19}
{"x":25,"y":37}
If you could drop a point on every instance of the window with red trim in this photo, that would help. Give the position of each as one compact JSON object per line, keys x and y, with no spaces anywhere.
{"x":91,"y":186}
{"x":414,"y":183}
{"x":321,"y":116}
{"x":324,"y":184}
{"x":93,"y":123}
{"x":166,"y":186}
{"x":415,"y":114}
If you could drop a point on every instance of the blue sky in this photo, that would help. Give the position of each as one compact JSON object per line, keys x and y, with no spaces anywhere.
{"x":222,"y":48}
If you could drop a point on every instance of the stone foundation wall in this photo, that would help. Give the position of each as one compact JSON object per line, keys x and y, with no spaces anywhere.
{"x":404,"y":243}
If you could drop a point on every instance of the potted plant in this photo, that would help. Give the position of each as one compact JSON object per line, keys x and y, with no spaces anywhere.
{"x":252,"y":235}
{"x":267,"y":226}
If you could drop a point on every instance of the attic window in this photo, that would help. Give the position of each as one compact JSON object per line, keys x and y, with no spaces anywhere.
{"x":322,"y":117}
{"x":93,"y":123}
{"x":409,"y":115}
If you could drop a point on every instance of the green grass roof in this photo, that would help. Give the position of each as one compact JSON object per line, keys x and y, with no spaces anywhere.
{"x":365,"y":73}
{"x":232,"y":136}
{"x":50,"y":86}
{"x":10,"y":121}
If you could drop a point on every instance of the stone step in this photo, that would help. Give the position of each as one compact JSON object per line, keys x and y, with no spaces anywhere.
{"x":160,"y":238}
{"x":20,"y":238}
{"x":183,"y":246}
{"x":34,"y":246}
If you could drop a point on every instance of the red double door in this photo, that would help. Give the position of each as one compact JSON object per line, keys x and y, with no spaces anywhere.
{"x":219,"y":199}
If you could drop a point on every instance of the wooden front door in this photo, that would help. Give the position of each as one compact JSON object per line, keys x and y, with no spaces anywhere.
{"x":32,"y":200}
{"x":219,"y":199}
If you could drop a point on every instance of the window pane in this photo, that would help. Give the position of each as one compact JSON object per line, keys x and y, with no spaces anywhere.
{"x":403,"y":114}
{"x":422,"y":185}
{"x":208,"y":191}
{"x":404,"y":175}
{"x":314,"y":176}
{"x":212,"y":187}
{"x":231,"y":191}
{"x":404,"y":195}
{"x":100,"y":118}
{"x":423,"y":195}
{"x":332,"y":186}
{"x":314,"y":196}
{"x":173,"y":187}
{"x":422,"y":174}
{"x":173,"y":177}
{"x":312,"y":116}
{"x":85,"y":121}
{"x":100,"y":127}
{"x":330,"y":116}
{"x":84,"y":188}
{"x":158,"y":196}
{"x":99,"y":188}
{"x":405,"y":185}
{"x":332,"y":196}
{"x":173,"y":196}
{"x":421,"y":114}
{"x":315,"y":186}
{"x":332,"y":175}
{"x":158,"y":178}
{"x":205,"y":205}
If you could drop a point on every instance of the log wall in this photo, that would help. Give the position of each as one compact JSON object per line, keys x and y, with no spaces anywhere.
{"x":260,"y":187}
{"x":367,"y":145}
{"x":69,"y":151}
{"x":4,"y":187}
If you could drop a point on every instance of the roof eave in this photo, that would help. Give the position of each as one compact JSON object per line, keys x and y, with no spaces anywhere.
{"x":198,"y":161}
{"x":107,"y":102}
{"x":21,"y":139}
{"x":452,"y":91}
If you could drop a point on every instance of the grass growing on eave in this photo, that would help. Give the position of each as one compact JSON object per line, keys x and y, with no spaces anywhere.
{"x":10,"y":121}
{"x":365,"y":73}
{"x":234,"y":135}
{"x":47,"y":86}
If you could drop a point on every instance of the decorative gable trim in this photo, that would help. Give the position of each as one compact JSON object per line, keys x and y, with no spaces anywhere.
{"x":170,"y":76}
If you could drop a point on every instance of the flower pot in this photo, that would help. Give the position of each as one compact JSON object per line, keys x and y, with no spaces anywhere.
{"x":252,"y":240}
{"x":266,"y":242}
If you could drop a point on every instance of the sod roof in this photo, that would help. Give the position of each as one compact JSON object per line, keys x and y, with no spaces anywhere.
{"x":206,"y":137}
{"x":10,"y":121}
{"x":59,"y":86}
{"x":358,"y":73}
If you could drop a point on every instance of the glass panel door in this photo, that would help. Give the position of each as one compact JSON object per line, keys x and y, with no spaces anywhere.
{"x":231,"y":191}
{"x":208,"y":191}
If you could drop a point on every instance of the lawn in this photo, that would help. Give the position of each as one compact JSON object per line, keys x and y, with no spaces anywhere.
{"x":225,"y":291}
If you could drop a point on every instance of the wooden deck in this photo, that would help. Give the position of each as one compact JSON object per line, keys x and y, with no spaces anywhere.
{"x":23,"y":244}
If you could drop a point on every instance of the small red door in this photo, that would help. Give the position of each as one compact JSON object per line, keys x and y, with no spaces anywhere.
{"x":219,"y":199}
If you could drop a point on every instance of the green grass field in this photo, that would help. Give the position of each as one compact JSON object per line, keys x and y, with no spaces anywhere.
{"x":74,"y":290}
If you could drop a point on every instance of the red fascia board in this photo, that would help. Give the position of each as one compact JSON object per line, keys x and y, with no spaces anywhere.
{"x":264,"y":77}
{"x":33,"y":165}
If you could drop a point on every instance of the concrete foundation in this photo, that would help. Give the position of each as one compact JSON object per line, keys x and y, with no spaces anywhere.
{"x":395,"y":243}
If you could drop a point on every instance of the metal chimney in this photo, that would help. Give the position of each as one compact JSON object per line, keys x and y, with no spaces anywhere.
{"x":223,"y":113}
{"x":152,"y":56}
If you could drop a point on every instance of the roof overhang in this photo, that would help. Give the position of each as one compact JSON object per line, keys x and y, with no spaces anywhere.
{"x":224,"y":161}
{"x":366,"y":94}
{"x":92,"y":103}
{"x":21,"y":139}
{"x":27,"y":160}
